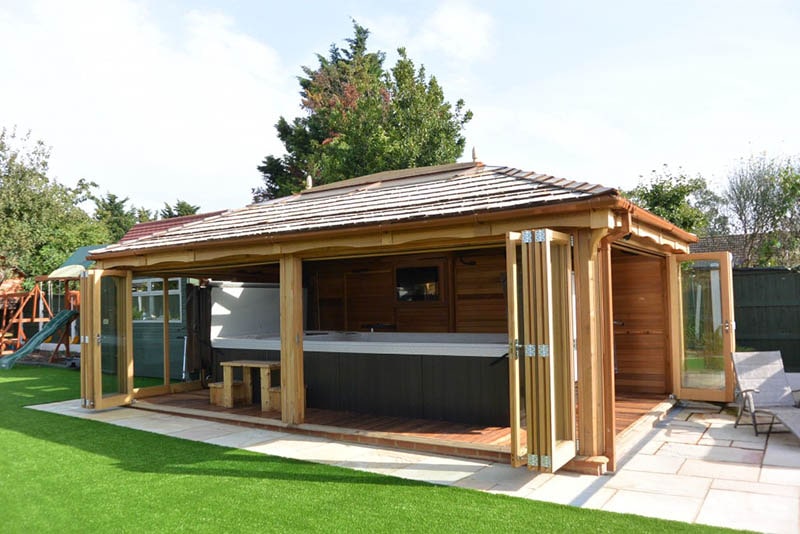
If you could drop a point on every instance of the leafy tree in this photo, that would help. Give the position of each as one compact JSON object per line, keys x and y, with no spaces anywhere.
{"x":762,"y":198}
{"x":113,"y":213}
{"x":40,"y":221}
{"x":180,"y":209}
{"x":144,"y":215}
{"x":684,"y":201}
{"x":360,"y":119}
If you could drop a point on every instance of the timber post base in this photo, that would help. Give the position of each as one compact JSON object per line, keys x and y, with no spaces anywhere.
{"x":587,"y":465}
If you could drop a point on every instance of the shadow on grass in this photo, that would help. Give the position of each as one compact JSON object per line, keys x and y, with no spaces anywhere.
{"x":146,"y":452}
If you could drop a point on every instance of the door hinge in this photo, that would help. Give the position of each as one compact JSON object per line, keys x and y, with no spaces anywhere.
{"x":534,"y":460}
{"x":527,"y":236}
{"x":530,"y":351}
{"x":543,"y":350}
{"x":540,"y":236}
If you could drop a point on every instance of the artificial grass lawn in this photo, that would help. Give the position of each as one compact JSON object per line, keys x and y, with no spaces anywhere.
{"x":63,"y":474}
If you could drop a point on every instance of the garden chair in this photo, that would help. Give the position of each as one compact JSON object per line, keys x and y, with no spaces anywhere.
{"x":764,"y":389}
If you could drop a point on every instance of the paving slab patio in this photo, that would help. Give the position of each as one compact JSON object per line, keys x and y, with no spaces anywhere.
{"x":693,"y":466}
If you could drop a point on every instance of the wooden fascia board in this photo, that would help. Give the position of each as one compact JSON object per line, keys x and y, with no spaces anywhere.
{"x":661,"y":226}
{"x":663,"y":240}
{"x":597,"y":213}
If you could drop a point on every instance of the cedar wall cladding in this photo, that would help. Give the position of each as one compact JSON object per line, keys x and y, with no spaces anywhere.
{"x":640,"y":330}
{"x":360,"y":294}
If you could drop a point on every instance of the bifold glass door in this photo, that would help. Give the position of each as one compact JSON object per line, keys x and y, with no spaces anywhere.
{"x":106,"y":339}
{"x":541,"y":364}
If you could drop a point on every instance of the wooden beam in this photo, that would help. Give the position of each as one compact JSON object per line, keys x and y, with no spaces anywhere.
{"x":675,"y":329}
{"x":589,"y":341}
{"x":609,"y":388}
{"x":165,"y":334}
{"x":399,"y":237}
{"x":293,"y":393}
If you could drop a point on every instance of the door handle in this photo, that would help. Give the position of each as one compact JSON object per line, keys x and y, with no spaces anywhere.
{"x":729,"y":326}
{"x":98,"y":339}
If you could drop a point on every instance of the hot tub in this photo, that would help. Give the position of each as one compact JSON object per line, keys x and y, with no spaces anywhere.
{"x":407,"y":343}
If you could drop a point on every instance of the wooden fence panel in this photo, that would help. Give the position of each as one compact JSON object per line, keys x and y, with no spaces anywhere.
{"x":767,"y":309}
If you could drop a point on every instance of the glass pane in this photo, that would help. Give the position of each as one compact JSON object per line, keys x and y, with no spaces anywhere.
{"x":703,"y":365}
{"x":178,"y":371}
{"x":156,"y":285}
{"x":146,"y":308}
{"x":148,"y":354}
{"x":417,"y":283}
{"x":173,"y":284}
{"x":112,"y":331}
{"x":174,"y":307}
{"x":139,"y":286}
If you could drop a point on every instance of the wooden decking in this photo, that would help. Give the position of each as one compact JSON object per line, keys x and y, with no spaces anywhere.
{"x":443,"y":437}
{"x":633,"y":406}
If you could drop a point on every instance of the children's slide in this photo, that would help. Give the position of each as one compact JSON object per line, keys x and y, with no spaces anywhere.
{"x":50,"y":328}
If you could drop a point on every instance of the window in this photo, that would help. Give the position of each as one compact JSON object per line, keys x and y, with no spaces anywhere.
{"x":417,"y":284}
{"x":148,"y":299}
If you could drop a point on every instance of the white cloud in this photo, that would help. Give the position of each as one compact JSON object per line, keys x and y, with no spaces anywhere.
{"x":456,"y":30}
{"x":146,"y":114}
{"x":459,"y":30}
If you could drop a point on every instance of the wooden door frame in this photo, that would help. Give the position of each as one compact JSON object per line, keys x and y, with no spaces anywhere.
{"x":91,"y":325}
{"x":676,"y":326}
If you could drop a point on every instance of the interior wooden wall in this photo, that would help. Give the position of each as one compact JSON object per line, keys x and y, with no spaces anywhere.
{"x":479,"y":288}
{"x":640,"y":304}
{"x":359,"y":294}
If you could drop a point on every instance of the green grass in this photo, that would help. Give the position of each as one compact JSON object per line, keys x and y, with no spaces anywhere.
{"x":61,"y":474}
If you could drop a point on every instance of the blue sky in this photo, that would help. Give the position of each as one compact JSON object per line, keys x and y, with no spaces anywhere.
{"x":160,"y":100}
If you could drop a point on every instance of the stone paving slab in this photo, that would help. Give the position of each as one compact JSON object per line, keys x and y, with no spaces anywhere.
{"x":720,"y":470}
{"x":674,"y":507}
{"x":712,"y":453}
{"x":654,"y":463}
{"x":692,"y":467}
{"x":751,"y":511}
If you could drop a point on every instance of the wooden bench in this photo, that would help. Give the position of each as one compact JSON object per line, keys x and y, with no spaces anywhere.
{"x":215,"y":392}
{"x":265,"y":368}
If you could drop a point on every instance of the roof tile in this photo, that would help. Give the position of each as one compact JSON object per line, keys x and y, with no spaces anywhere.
{"x":384,"y":198}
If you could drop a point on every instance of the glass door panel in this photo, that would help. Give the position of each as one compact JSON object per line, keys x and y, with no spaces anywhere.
{"x":106,"y":316}
{"x":516,"y":369}
{"x":707,"y":327}
{"x":541,"y":369}
{"x":112,"y":335}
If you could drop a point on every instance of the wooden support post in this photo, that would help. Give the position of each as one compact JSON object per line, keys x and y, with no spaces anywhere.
{"x":227,"y":386}
{"x":165,"y":351}
{"x":293,"y":391}
{"x":609,"y":393}
{"x":87,"y":363}
{"x":266,"y":382}
{"x":589,"y":341}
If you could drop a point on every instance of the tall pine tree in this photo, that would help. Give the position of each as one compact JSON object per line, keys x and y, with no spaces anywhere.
{"x":360,"y":119}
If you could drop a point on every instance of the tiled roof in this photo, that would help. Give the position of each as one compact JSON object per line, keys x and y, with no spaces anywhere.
{"x":153,"y":227}
{"x":735,"y":244}
{"x":383,"y":198}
